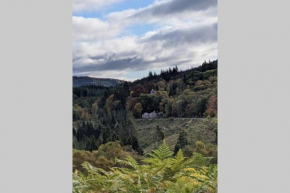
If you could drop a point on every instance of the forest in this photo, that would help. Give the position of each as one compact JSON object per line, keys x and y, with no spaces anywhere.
{"x":108,"y":148}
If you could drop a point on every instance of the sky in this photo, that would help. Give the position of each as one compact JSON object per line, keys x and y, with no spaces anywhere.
{"x":125,"y":39}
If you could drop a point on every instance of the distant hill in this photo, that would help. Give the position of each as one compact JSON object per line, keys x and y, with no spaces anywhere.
{"x":86,"y":81}
{"x":185,"y":101}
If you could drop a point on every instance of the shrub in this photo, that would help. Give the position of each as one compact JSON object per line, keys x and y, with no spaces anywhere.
{"x":209,"y":150}
{"x":80,"y":156}
{"x":103,"y":158}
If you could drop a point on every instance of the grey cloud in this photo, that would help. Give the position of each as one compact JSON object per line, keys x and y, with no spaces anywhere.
{"x":109,"y":65}
{"x":201,"y":34}
{"x":179,"y":40}
{"x":133,"y":64}
{"x":176,"y":6}
{"x":152,"y":51}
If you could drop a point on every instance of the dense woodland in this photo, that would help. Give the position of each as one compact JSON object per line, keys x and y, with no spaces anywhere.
{"x":106,"y":146}
{"x":103,"y":114}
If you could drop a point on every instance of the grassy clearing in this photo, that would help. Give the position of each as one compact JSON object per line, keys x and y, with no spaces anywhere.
{"x":198,"y":129}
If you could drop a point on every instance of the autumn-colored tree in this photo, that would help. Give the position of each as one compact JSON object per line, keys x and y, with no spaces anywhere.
{"x":130,"y":103}
{"x":95,"y":108}
{"x":85,"y":115}
{"x":163,"y":94}
{"x":80,"y":156}
{"x":138,"y":89}
{"x":109,"y":103}
{"x":208,"y":150}
{"x":117,"y":105}
{"x":138,"y":110}
{"x":180,"y":85}
{"x":77,"y":112}
{"x":211,"y":110}
{"x":174,"y":109}
{"x":149,"y":85}
{"x":161,"y":85}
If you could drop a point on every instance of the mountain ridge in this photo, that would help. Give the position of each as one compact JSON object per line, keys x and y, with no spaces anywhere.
{"x":88,"y":81}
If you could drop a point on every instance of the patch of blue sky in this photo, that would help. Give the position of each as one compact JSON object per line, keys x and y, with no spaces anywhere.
{"x":89,"y":14}
{"x":128,"y":4}
{"x":123,"y":5}
{"x":132,"y":75}
{"x":139,"y":29}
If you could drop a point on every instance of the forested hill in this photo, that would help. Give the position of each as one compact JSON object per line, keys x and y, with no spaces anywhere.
{"x":103,"y":114}
{"x":174,"y":73}
{"x":87,"y":81}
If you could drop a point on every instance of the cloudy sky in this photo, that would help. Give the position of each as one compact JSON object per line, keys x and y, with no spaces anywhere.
{"x":126,"y":39}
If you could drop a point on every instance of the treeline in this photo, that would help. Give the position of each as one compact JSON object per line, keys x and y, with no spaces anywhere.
{"x":174,"y":73}
{"x":190,"y":93}
{"x":104,"y":114}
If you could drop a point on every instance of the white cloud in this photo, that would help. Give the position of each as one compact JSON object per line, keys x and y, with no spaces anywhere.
{"x":91,"y":5}
{"x":162,"y":48}
{"x":159,"y":13}
{"x":186,"y":37}
{"x":88,"y":29}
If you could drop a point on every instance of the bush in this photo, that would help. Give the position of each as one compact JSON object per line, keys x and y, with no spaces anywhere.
{"x":187,"y":151}
{"x":209,"y":150}
{"x":103,"y":158}
{"x":80,"y":156}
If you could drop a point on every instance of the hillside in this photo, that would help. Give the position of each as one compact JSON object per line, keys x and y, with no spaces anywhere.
{"x":184,"y":100}
{"x":197,"y":129}
{"x":87,"y":81}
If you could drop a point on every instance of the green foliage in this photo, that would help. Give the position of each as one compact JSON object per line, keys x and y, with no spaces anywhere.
{"x":135,"y":145}
{"x":160,"y":173}
{"x":197,"y":130}
{"x":209,"y":150}
{"x":138,"y":110}
{"x":104,"y":114}
{"x":159,"y":135}
{"x":181,"y":141}
{"x":211,"y":110}
{"x":161,"y":153}
{"x":80,"y":157}
{"x":103,"y":158}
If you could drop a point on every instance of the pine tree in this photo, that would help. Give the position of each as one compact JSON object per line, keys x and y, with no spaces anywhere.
{"x":159,"y":135}
{"x":150,"y":75}
{"x":135,"y":145}
{"x":184,"y":78}
{"x":181,"y":141}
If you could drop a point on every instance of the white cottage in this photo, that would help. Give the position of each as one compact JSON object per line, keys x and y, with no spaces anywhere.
{"x":152,"y":91}
{"x":149,"y":115}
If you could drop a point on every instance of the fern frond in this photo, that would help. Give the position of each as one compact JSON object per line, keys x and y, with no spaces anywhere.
{"x":162,"y":152}
{"x":198,"y":160}
{"x":179,"y":156}
{"x":129,"y":161}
